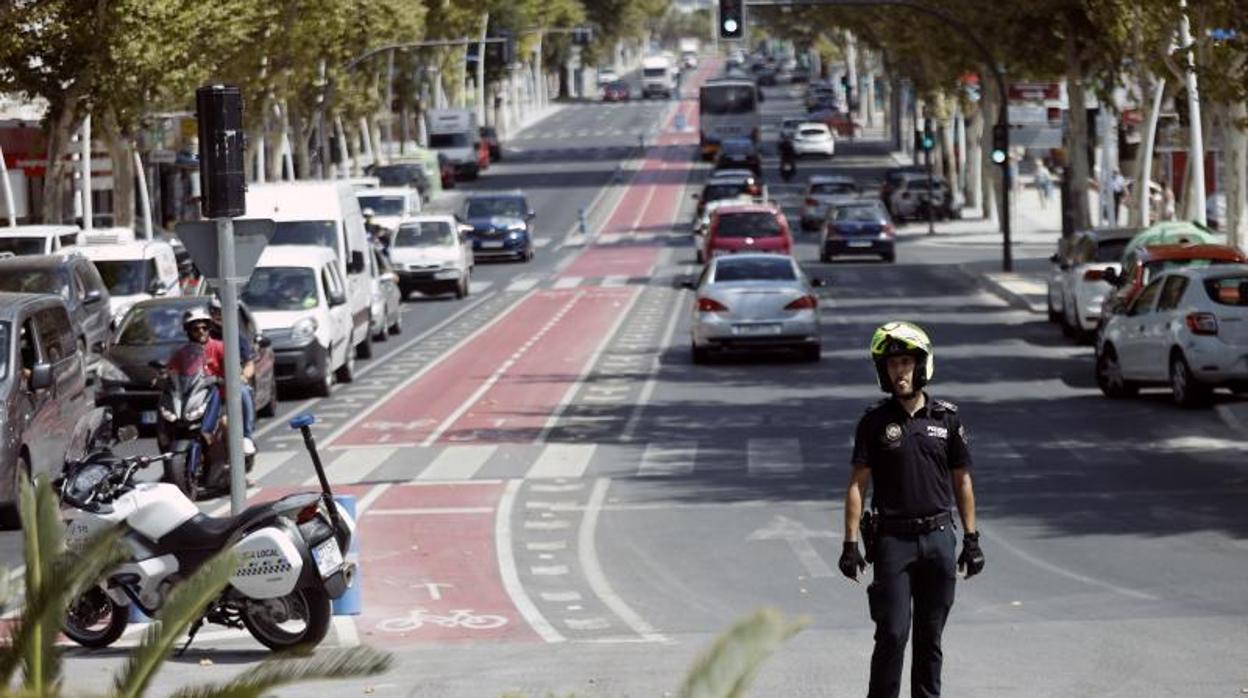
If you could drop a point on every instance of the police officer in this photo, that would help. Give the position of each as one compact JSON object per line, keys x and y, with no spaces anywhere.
{"x":913,"y":450}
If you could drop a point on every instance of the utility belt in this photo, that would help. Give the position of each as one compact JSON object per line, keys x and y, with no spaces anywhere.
{"x":914,"y":526}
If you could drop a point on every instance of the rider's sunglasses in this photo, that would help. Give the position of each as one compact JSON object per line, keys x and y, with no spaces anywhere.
{"x":199,"y":327}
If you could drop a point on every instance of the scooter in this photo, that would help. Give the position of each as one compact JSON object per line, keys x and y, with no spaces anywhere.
{"x":203,"y":463}
{"x":788,"y":169}
{"x":290,"y":551}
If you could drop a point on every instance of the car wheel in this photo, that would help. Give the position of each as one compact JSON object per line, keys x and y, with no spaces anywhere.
{"x":461,"y":287}
{"x":529,"y":254}
{"x":889,"y":257}
{"x":364,"y":350}
{"x":397,"y":327}
{"x":1109,"y":375}
{"x":346,"y":372}
{"x":701,"y":355}
{"x":812,"y":354}
{"x":11,"y":514}
{"x":1188,"y":391}
{"x":325,"y":386}
{"x":1054,"y":314}
{"x":270,"y":408}
{"x":701,"y":257}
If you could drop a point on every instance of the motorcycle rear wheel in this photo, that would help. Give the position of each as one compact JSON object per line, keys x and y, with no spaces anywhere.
{"x":95,"y":620}
{"x":268,"y":620}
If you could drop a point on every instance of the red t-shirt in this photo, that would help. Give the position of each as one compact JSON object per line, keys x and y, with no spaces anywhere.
{"x":194,"y":358}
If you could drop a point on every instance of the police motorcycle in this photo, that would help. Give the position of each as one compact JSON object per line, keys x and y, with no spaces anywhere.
{"x":290,"y":551}
{"x":202,"y":464}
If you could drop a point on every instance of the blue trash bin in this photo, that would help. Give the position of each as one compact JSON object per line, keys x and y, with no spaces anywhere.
{"x":351,"y":603}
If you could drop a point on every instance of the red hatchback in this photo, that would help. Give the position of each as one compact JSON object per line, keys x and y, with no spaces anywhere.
{"x":747,"y":228}
{"x":1143,"y":265}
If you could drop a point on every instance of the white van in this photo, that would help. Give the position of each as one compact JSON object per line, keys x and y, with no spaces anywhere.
{"x":324,"y":214}
{"x":433,"y":254}
{"x":133,"y":270}
{"x":37,"y":239}
{"x":389,"y":205}
{"x":298,"y":298}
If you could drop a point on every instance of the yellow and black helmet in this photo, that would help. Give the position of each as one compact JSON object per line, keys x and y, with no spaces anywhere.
{"x":898,"y":338}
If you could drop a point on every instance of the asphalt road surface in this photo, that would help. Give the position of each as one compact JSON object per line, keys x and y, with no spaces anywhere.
{"x":556,"y":500}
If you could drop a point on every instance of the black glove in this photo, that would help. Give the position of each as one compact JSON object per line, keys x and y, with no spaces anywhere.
{"x":972,"y":558}
{"x":851,"y":562}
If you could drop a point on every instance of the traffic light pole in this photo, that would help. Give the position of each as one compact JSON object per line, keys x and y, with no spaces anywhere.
{"x":1007,"y":257}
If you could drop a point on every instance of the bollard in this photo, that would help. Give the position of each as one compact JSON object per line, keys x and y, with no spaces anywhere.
{"x":581,"y":226}
{"x":351,"y":603}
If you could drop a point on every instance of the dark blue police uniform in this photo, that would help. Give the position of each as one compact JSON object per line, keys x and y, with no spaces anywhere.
{"x":911,"y":459}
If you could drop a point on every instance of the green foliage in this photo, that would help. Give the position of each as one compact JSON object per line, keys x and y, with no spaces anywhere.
{"x":55,"y":575}
{"x":728,"y":668}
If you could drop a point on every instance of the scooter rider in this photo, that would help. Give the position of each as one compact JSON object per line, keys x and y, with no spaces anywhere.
{"x":788,"y":159}
{"x":248,"y":360}
{"x":203,"y":354}
{"x":914,"y":452}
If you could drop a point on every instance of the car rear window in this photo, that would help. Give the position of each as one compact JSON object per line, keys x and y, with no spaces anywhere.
{"x":33,"y":281}
{"x":756,"y":224}
{"x":833,"y":188}
{"x":1228,"y":290}
{"x":857,"y":213}
{"x":756,"y":269}
{"x":723,"y":191}
{"x":1110,"y":250}
{"x":1152,"y":269}
{"x":814,"y":132}
{"x":23,"y":246}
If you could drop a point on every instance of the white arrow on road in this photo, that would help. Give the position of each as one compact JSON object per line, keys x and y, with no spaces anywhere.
{"x":798,"y":537}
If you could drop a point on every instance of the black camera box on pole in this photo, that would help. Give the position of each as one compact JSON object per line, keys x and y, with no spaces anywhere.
{"x":221,"y":151}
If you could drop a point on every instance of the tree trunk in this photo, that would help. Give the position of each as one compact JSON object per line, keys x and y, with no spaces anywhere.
{"x":1076,"y":132}
{"x":300,"y":131}
{"x":989,"y":172}
{"x":975,"y":162}
{"x":1235,"y":150}
{"x":120,"y":152}
{"x":1187,"y":207}
{"x":1140,"y":171}
{"x":61,"y":128}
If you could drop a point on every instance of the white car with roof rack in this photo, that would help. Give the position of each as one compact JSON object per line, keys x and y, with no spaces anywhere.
{"x":388,"y":206}
{"x":132,"y":269}
{"x":38,"y":239}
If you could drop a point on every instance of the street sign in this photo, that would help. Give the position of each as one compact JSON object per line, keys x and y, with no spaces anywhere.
{"x":1028,"y":114}
{"x":1031,"y":136}
{"x":251,"y":235}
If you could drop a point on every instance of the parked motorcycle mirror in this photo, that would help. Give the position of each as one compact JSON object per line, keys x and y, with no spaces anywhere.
{"x":41,"y":377}
{"x":127,"y":433}
{"x":92,"y":298}
{"x":1110,"y":276}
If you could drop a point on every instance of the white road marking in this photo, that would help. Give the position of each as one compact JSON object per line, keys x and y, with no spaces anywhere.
{"x":588,"y":549}
{"x":585,"y":371}
{"x":773,"y":456}
{"x":344,"y":628}
{"x":427,"y":511}
{"x":507,"y":567}
{"x":539,"y":243}
{"x":614,"y":281}
{"x":647,"y":390}
{"x":524,"y":282}
{"x":595,"y":623}
{"x":567,"y":282}
{"x":479,"y":286}
{"x":668,"y":459}
{"x":546,"y":545}
{"x":573,"y":487}
{"x":354,"y":466}
{"x":457,"y":463}
{"x":549,"y":570}
{"x":546,"y":525}
{"x":560,"y":596}
{"x":562,"y":460}
{"x":1001,"y":542}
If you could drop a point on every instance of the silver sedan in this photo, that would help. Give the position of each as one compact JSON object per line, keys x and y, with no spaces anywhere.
{"x":755,"y":301}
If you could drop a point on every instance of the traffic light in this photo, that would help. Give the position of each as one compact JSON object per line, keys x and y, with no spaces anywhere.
{"x":219,"y":109}
{"x":731,"y":19}
{"x":583,"y":36}
{"x":1000,"y":143}
{"x":928,"y":140}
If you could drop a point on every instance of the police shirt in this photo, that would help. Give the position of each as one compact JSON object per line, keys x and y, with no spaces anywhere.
{"x":911,"y":457}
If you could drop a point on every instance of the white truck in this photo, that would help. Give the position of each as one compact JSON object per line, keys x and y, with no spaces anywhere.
{"x":657,"y":77}
{"x":454,"y":133}
{"x":689,"y":47}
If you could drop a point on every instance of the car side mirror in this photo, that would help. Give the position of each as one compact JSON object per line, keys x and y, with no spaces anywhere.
{"x":40,"y":377}
{"x":819,"y":283}
{"x":92,"y":298}
{"x":264,"y":342}
{"x":337,"y":299}
{"x":357,"y":263}
{"x":530,"y":215}
{"x":156,"y":288}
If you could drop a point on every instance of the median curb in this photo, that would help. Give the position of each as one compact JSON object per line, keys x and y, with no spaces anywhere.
{"x":1015,"y":289}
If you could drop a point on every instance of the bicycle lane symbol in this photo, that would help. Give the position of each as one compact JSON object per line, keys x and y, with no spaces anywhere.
{"x":430,"y":570}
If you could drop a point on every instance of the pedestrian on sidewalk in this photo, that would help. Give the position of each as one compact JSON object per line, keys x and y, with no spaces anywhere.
{"x":1044,"y":184}
{"x":1118,"y":185}
{"x":913,"y":451}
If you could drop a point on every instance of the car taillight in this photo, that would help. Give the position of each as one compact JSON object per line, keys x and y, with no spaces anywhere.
{"x":807,"y":302}
{"x":1202,"y":323}
{"x":710,"y":305}
{"x":812,"y":202}
{"x":1094,"y":275}
{"x":308,"y":513}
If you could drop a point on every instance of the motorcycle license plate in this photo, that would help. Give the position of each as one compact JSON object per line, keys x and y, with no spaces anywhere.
{"x":328,"y":557}
{"x":147,"y":417}
{"x":859,"y":243}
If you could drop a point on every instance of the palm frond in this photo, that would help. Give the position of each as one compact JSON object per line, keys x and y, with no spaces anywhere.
{"x":184,"y":606}
{"x":41,"y":531}
{"x":58,"y":580}
{"x":345,"y":663}
{"x":727,"y":669}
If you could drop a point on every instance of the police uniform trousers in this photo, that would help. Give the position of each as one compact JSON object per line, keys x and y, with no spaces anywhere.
{"x":919,"y":568}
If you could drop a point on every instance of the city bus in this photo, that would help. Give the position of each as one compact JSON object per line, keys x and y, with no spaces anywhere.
{"x":727,"y":108}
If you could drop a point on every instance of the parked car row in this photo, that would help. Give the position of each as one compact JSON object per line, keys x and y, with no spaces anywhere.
{"x":1166,"y":307}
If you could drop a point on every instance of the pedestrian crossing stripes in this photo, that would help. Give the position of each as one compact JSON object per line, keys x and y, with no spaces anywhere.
{"x":562,"y":461}
{"x":563,"y":283}
{"x":457,"y":463}
{"x":668,"y":460}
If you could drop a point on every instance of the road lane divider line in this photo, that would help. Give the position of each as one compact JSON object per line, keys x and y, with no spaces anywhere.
{"x":999,"y":541}
{"x":561,"y":461}
{"x":458,"y":462}
{"x":434,"y":362}
{"x":499,"y":372}
{"x":355,"y":465}
{"x":427,"y":511}
{"x":647,"y":389}
{"x":672,"y":459}
{"x":590,"y":364}
{"x":508,"y":572}
{"x":587,"y":549}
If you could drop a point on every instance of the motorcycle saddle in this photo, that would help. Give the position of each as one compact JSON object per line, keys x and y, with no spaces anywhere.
{"x":203,"y":532}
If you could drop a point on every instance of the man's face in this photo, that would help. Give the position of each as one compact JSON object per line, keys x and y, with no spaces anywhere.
{"x":198,"y":332}
{"x":216,"y":316}
{"x":901,"y":372}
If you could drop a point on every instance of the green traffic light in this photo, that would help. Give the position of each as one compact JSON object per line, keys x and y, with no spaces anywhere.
{"x":928,"y":143}
{"x":998,"y":157}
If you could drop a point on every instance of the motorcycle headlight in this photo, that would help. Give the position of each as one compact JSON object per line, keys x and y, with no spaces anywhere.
{"x":167,"y":415}
{"x":303,"y":330}
{"x":197,"y":412}
{"x":107,"y":370}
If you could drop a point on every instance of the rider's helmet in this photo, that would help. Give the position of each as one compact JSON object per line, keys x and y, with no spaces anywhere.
{"x":193,"y":316}
{"x":902,"y":338}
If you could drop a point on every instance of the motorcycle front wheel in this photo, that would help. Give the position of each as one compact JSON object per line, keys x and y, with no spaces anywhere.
{"x":299,"y":619}
{"x":178,"y":472}
{"x":94,"y":619}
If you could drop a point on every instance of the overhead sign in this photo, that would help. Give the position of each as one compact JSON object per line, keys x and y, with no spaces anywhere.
{"x":1034,"y":91}
{"x":1040,"y":137}
{"x":251,"y":235}
{"x":1028,"y":114}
